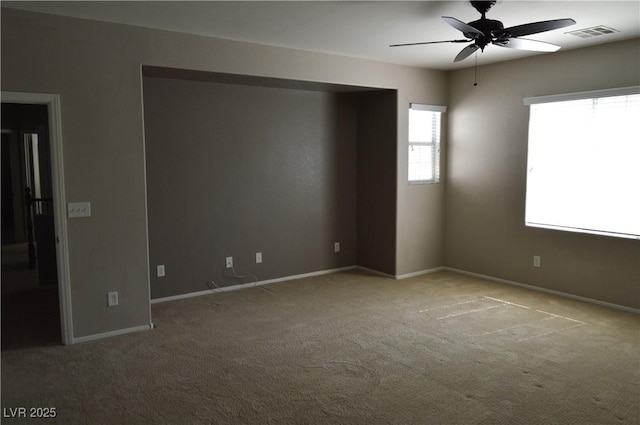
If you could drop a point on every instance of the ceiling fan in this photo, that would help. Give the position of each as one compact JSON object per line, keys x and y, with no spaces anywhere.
{"x":485,"y":31}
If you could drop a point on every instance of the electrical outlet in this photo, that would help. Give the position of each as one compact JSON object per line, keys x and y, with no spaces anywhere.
{"x":229,"y":262}
{"x":536,"y":261}
{"x":112,"y":299}
{"x":160,"y":270}
{"x":336,"y":247}
{"x":258,"y":257}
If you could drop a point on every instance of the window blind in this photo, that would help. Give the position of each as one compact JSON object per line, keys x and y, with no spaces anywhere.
{"x":584,"y":162}
{"x":424,"y":143}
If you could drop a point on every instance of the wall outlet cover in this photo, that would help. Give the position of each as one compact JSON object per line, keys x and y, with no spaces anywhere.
{"x":112,"y":299}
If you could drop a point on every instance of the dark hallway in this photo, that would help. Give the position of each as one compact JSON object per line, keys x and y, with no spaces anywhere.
{"x":30,"y":307}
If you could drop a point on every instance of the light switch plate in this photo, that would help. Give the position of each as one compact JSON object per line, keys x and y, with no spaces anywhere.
{"x":79,"y":209}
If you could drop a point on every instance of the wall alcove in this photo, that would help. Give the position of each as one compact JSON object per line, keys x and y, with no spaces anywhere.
{"x":239,"y":164}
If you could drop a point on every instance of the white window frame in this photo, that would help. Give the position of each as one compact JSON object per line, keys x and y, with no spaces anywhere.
{"x":585,"y":193}
{"x":435,"y":140}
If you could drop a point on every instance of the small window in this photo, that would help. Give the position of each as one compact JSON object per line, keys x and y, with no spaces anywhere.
{"x":424,"y":143}
{"x":583,"y":171}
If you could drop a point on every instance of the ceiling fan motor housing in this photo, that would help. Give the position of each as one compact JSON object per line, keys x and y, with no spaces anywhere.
{"x":489,"y":27}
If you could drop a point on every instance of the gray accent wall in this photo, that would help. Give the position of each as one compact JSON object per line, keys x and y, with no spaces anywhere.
{"x":235,"y":169}
{"x":377,"y":170}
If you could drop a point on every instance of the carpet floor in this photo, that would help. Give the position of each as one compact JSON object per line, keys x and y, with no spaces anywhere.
{"x":346,"y":348}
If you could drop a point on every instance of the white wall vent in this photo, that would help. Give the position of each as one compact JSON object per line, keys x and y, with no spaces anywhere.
{"x":593,"y":31}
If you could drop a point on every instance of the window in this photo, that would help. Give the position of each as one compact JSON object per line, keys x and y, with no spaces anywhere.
{"x":424,"y":143}
{"x":584,"y":162}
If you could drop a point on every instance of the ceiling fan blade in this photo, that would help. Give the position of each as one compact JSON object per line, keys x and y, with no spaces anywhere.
{"x":534,"y":28}
{"x":525,"y":44}
{"x":466,"y":29}
{"x":466,"y":52}
{"x":429,"y":42}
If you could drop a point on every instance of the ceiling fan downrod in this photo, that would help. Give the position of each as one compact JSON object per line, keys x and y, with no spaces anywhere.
{"x":482,"y":6}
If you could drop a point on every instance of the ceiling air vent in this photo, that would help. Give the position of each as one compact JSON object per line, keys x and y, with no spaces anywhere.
{"x":593,"y":31}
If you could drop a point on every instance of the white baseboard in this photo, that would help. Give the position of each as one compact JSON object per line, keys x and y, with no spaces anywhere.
{"x":402,"y":276}
{"x":111,"y":333}
{"x":419,"y":273}
{"x":195,"y":294}
{"x":248,"y":285}
{"x":545,"y":290}
{"x":397,"y":277}
{"x":372,"y":271}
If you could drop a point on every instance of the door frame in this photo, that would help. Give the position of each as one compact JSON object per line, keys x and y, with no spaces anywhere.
{"x":59,"y":201}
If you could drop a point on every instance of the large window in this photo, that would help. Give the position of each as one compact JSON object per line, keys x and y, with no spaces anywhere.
{"x":424,"y":143}
{"x":584,"y":162}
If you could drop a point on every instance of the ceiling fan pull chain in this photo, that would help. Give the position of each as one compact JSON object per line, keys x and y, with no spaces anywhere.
{"x":475,"y":71}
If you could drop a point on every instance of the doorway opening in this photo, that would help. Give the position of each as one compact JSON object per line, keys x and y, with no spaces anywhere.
{"x":35,"y":287}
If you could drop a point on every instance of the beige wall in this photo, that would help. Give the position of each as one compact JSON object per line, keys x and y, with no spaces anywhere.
{"x":486,"y":178}
{"x":96,"y":69}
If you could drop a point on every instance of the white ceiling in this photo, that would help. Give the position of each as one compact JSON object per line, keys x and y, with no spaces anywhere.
{"x":361,"y":29}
